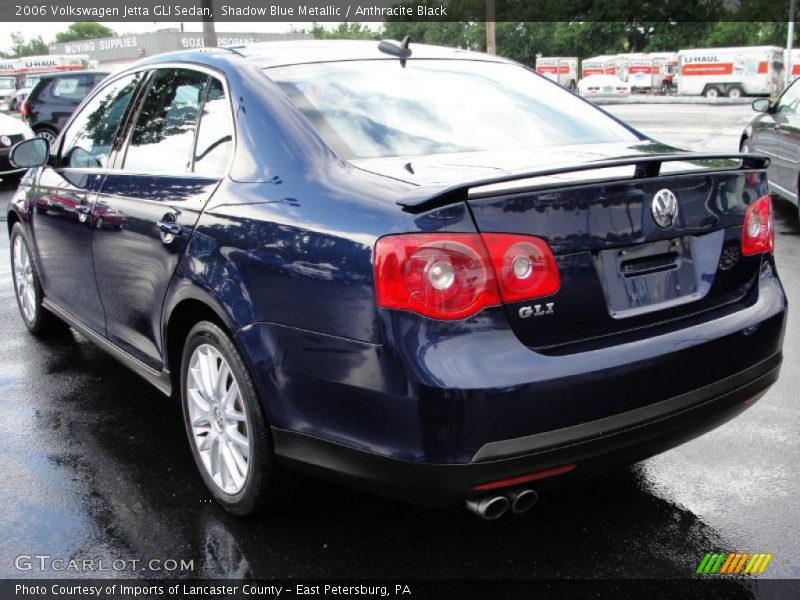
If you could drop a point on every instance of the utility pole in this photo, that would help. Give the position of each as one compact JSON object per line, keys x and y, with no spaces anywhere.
{"x":490,"y":43}
{"x":209,"y":33}
{"x":789,"y":43}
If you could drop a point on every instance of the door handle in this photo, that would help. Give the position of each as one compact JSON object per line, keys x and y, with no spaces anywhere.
{"x":169,"y":227}
{"x":168,"y":231}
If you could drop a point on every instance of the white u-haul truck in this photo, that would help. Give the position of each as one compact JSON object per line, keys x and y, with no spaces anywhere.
{"x":795,"y":63}
{"x":561,"y":69}
{"x":732,"y":72}
{"x":637,"y":70}
{"x":607,"y":64}
{"x":8,"y":81}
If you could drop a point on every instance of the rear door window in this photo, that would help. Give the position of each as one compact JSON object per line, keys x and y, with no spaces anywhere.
{"x":215,"y":135}
{"x":163,"y":137}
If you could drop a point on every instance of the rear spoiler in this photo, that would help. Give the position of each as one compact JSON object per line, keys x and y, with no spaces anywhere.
{"x":432,"y":196}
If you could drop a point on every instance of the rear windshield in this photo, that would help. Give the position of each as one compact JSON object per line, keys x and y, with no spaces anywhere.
{"x":377,"y":108}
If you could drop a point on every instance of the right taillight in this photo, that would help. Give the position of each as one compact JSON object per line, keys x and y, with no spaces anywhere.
{"x":452,"y":276}
{"x":758,"y":234}
{"x":524,"y":265}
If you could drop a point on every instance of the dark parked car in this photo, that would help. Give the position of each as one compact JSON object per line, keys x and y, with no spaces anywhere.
{"x":55,"y":97}
{"x":429,"y":273}
{"x":11,"y":131}
{"x":775,"y":133}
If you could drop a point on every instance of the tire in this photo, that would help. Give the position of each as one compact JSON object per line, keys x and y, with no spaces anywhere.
{"x":28,"y":287}
{"x":45,"y":132}
{"x":216,"y":436}
{"x":712,"y":92}
{"x":735,"y":92}
{"x":744,"y":146}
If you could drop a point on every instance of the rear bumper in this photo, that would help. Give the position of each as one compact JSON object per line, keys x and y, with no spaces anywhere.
{"x":620,"y":439}
{"x":445,"y":406}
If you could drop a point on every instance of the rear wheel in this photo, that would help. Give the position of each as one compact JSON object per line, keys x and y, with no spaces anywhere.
{"x":46,"y":133}
{"x":712,"y":92}
{"x":735,"y":92}
{"x":27,"y":287}
{"x":229,"y":436}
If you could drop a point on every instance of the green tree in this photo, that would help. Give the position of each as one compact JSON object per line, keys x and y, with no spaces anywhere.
{"x":344,"y":31}
{"x":752,"y":33}
{"x":20,"y":47}
{"x":455,"y":34}
{"x":87,"y":30}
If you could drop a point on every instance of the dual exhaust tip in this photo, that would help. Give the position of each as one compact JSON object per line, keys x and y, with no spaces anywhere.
{"x":491,"y":507}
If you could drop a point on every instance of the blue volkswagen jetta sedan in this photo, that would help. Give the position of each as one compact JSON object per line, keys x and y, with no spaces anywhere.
{"x":425,"y":272}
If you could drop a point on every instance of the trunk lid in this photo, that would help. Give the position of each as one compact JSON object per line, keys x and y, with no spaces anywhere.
{"x":623,"y":274}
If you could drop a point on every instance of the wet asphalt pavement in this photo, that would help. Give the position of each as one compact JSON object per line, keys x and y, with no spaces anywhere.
{"x":94,"y":464}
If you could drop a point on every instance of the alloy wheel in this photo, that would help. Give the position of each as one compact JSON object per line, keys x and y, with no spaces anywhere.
{"x":218,"y":419}
{"x":47,"y":135}
{"x":23,"y":279}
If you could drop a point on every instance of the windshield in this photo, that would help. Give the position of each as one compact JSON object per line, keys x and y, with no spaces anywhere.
{"x":30,"y":82}
{"x":369,"y":109}
{"x":7,"y":84}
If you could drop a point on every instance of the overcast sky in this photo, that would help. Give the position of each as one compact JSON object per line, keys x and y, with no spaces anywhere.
{"x":48,"y":31}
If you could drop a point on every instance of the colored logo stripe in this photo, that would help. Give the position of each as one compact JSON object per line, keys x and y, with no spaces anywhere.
{"x":728,"y":562}
{"x":734,"y":563}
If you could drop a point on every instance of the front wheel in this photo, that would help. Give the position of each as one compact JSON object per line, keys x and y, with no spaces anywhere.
{"x":229,"y":436}
{"x":27,"y":287}
{"x":744,"y":147}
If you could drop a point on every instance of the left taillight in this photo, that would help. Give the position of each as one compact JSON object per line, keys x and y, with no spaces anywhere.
{"x":441,"y":276}
{"x":453,"y":276}
{"x":25,"y":110}
{"x":758,"y":234}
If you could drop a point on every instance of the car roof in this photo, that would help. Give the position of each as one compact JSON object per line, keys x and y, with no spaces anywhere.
{"x":275,"y":54}
{"x":55,"y":74}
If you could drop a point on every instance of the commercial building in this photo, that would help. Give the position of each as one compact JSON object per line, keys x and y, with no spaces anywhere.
{"x":116,"y":52}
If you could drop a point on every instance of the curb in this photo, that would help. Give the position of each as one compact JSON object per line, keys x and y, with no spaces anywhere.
{"x":648,"y":99}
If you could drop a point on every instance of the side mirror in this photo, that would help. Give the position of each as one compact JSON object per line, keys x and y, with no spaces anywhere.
{"x":30,"y":153}
{"x":761,"y":105}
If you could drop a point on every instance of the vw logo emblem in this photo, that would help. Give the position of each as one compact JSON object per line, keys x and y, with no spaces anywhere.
{"x":664,"y":208}
{"x":5,"y":140}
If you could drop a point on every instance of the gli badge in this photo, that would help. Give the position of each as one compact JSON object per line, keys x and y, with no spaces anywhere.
{"x":537,"y":310}
{"x":664,"y":208}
